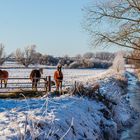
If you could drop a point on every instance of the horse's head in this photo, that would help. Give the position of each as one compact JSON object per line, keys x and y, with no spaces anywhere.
{"x":41,"y":70}
{"x":59,"y":67}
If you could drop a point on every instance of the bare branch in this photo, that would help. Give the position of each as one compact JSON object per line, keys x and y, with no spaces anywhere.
{"x":124,"y":14}
{"x":132,"y":58}
{"x":27,"y":56}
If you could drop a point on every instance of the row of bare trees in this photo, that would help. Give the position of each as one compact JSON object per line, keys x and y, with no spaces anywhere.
{"x":29,"y":55}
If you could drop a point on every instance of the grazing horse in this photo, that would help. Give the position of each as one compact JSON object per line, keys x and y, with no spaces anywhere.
{"x":58,"y":77}
{"x":4,"y":77}
{"x":35,"y":76}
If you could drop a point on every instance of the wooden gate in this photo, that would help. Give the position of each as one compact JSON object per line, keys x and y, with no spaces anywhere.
{"x":13,"y":84}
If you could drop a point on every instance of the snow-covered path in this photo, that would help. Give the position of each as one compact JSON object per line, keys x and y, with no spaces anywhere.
{"x":133,"y":96}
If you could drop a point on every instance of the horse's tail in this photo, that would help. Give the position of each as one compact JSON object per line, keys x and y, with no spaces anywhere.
{"x":31,"y":75}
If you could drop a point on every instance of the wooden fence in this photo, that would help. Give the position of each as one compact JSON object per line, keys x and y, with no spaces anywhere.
{"x":21,"y":83}
{"x":18,"y":83}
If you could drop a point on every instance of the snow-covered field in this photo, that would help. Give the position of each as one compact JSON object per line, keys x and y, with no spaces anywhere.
{"x":70,"y":75}
{"x":68,"y":117}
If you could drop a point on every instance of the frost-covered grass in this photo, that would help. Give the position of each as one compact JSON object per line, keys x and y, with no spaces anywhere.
{"x":61,"y":117}
{"x":67,"y":117}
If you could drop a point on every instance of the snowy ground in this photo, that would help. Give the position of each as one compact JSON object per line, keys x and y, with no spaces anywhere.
{"x":68,"y":117}
{"x":70,"y":75}
{"x":133,"y":97}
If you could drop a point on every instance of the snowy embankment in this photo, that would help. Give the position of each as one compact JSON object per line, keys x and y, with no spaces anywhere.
{"x":69,"y":117}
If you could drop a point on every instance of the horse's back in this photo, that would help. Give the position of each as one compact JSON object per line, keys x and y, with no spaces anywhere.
{"x":35,"y":74}
{"x":4,"y":74}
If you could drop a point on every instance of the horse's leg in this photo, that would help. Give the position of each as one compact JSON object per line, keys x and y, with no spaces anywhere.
{"x":5,"y":83}
{"x":36,"y":86}
{"x":57,"y":85}
{"x":1,"y":83}
{"x":60,"y":84}
{"x":32,"y":84}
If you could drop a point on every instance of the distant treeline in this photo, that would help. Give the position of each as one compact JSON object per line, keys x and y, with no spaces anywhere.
{"x":88,"y":60}
{"x":29,"y":56}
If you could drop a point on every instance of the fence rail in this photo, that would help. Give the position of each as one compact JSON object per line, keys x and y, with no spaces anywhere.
{"x":21,"y":78}
{"x":18,"y":91}
{"x":13,"y":67}
{"x":43,"y":86}
{"x":46,"y":84}
{"x":23,"y":83}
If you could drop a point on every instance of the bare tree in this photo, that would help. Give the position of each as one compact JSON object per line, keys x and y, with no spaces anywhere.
{"x":38,"y":58}
{"x":3,"y":56}
{"x":78,"y":57}
{"x":105,"y":56}
{"x":27,"y":56}
{"x":88,"y":55}
{"x":114,"y":22}
{"x":133,"y":58}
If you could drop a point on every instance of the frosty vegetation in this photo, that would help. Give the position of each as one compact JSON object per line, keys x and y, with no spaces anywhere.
{"x":71,"y":116}
{"x":119,"y":62}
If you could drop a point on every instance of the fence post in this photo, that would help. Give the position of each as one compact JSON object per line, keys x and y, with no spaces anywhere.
{"x":49,"y":83}
{"x":46,"y":83}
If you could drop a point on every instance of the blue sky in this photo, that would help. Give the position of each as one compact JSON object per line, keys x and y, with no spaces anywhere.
{"x":53,"y":25}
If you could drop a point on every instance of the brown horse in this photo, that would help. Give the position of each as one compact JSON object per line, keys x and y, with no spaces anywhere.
{"x":58,"y":77}
{"x":4,"y":77}
{"x":35,"y":76}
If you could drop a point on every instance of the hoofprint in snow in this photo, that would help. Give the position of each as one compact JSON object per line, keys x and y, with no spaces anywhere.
{"x":67,"y":117}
